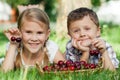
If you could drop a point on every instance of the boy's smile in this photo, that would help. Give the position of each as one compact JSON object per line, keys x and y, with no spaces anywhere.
{"x":84,"y":30}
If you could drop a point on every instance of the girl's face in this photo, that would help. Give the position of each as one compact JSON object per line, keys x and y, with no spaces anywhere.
{"x":84,"y":30}
{"x":34,"y":36}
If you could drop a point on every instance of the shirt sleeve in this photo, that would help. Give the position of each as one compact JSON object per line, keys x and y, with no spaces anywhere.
{"x":52,"y":50}
{"x":112,"y":55}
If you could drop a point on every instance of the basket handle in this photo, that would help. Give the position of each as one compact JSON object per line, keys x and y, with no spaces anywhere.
{"x":39,"y":67}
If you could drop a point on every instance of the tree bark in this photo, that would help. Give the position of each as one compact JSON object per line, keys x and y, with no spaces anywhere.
{"x":66,"y":6}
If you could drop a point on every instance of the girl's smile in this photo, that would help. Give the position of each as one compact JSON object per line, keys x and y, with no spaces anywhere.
{"x":35,"y":37}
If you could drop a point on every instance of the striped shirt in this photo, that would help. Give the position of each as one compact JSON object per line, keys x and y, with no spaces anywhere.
{"x":74,"y":54}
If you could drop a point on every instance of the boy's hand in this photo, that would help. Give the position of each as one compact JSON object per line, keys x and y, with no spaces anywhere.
{"x":99,"y":44}
{"x":84,"y":47}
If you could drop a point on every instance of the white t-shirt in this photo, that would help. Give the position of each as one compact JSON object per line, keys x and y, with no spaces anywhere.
{"x":52,"y":48}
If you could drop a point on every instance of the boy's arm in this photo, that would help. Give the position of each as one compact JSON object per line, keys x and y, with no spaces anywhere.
{"x":101,"y":45}
{"x":107,"y":61}
{"x":85,"y":56}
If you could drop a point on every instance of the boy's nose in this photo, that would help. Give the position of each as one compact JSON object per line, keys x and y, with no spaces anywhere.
{"x":82,"y":33}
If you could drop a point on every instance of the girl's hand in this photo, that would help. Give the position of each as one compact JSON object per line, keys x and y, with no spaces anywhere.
{"x":80,"y":45}
{"x":99,"y":44}
{"x":12,"y":32}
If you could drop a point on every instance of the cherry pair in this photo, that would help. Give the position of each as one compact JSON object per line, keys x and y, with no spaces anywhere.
{"x":16,"y":39}
{"x":94,"y":52}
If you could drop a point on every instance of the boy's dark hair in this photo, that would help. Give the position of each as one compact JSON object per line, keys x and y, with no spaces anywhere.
{"x":79,"y":13}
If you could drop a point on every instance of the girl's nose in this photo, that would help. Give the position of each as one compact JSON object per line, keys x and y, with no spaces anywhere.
{"x":34,"y":37}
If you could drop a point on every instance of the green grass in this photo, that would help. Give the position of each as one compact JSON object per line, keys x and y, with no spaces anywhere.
{"x":109,"y":34}
{"x":33,"y":74}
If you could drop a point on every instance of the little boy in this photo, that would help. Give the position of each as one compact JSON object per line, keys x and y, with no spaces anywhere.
{"x":84,"y":30}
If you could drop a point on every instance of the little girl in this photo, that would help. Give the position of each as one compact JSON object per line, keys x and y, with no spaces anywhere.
{"x":29,"y":42}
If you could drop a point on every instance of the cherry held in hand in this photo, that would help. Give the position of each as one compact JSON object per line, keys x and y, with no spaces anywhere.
{"x":94,"y":52}
{"x":13,"y":38}
{"x":16,"y":39}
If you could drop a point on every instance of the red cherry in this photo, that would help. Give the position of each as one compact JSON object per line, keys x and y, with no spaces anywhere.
{"x":71,"y":68}
{"x":96,"y":52}
{"x":77,"y":63}
{"x":69,"y":62}
{"x":86,"y":66}
{"x":91,"y":52}
{"x":92,"y":66}
{"x":78,"y":67}
{"x":18,"y":40}
{"x":46,"y":68}
{"x":60,"y":63}
{"x":83,"y":63}
{"x":13,"y":38}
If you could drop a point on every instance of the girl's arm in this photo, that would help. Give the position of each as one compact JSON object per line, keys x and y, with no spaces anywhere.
{"x":8,"y":63}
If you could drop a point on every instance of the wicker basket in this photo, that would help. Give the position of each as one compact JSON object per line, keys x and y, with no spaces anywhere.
{"x":99,"y":68}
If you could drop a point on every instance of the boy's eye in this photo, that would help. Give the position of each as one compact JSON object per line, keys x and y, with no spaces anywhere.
{"x":77,"y":30}
{"x":40,"y":32}
{"x":87,"y":28}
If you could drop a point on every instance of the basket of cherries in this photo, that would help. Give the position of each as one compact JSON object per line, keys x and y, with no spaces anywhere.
{"x":70,"y":66}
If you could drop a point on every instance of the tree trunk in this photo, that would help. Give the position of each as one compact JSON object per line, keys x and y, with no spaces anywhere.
{"x":65,"y":6}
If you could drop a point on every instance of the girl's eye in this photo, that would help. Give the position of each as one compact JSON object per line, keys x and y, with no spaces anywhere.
{"x":28,"y":31}
{"x":40,"y":32}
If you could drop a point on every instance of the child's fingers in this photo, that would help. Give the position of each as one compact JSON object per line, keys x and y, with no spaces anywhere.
{"x":14,"y":31}
{"x":99,"y":44}
{"x":74,"y":43}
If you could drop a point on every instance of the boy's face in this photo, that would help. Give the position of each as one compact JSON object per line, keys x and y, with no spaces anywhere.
{"x":84,"y":30}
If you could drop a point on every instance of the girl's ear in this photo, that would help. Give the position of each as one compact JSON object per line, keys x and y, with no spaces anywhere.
{"x":48,"y":33}
{"x":98,"y":31}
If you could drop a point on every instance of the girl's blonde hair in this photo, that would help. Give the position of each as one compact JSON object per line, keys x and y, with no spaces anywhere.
{"x":38,"y":16}
{"x":33,"y":14}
